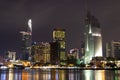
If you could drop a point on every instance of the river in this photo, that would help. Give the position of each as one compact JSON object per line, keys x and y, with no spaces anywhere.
{"x":55,"y":74}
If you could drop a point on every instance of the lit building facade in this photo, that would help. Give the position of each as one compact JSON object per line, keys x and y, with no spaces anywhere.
{"x":46,"y":52}
{"x":27,"y":42}
{"x":59,"y":36}
{"x":93,"y":38}
{"x":41,"y":52}
{"x":10,"y":55}
{"x":75,"y":53}
{"x":113,"y":49}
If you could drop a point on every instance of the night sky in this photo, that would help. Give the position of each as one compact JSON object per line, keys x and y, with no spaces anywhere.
{"x":49,"y":14}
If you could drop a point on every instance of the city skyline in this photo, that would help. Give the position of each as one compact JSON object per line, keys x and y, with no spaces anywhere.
{"x":47,"y":15}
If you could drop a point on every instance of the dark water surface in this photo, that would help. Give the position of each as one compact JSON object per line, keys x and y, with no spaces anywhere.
{"x":54,"y":74}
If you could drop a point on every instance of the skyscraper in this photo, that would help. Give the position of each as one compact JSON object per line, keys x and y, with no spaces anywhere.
{"x":41,"y":52}
{"x":59,"y":36}
{"x":75,"y":53}
{"x":93,"y":38}
{"x":26,"y":42}
{"x":54,"y":53}
{"x":113,"y":49}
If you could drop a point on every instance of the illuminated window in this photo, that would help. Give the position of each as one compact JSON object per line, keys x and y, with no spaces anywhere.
{"x":62,"y":44}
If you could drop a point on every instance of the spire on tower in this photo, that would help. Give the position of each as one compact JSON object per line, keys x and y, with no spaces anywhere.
{"x":30,"y":24}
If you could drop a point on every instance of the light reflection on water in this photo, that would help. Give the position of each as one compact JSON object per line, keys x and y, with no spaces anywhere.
{"x":55,"y":74}
{"x":100,"y":75}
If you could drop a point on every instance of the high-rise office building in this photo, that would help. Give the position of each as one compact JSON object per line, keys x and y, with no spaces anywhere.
{"x":27,"y":42}
{"x":93,"y":38}
{"x":59,"y":36}
{"x":113,"y":49}
{"x":41,"y":52}
{"x":54,"y":53}
{"x":10,"y":55}
{"x":75,"y":53}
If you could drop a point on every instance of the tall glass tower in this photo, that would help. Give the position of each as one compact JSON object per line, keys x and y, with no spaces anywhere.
{"x":59,"y":36}
{"x":26,"y":41}
{"x":93,"y":38}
